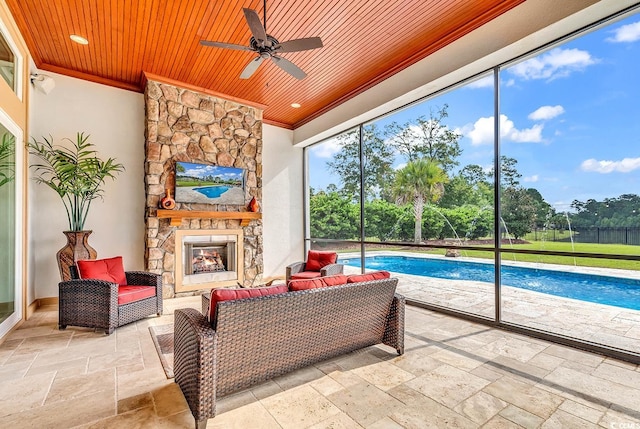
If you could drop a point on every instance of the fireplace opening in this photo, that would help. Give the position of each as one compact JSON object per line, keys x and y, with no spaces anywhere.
{"x":209,"y":258}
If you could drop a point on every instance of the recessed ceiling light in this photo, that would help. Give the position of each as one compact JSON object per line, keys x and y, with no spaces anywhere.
{"x":79,"y":39}
{"x":295,"y":105}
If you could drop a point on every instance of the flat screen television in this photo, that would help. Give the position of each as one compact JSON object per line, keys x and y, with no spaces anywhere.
{"x":209,"y":184}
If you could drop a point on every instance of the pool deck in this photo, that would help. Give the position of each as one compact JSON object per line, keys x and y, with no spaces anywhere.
{"x":597,"y":323}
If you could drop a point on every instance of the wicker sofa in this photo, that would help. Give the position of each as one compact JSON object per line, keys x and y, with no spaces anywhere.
{"x":257,"y":339}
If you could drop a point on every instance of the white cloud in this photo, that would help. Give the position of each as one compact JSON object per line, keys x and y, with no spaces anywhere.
{"x":624,"y":166}
{"x":554,"y":64}
{"x":481,"y":132}
{"x":626,"y":33}
{"x":533,"y":178}
{"x":546,"y":112}
{"x":400,"y":166}
{"x":485,"y":82}
{"x":326,"y":149}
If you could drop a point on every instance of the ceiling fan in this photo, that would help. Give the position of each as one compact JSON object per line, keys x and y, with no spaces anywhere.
{"x":267,"y":46}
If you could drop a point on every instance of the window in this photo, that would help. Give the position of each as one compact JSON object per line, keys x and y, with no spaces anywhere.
{"x":516,"y":205}
{"x":10,"y":62}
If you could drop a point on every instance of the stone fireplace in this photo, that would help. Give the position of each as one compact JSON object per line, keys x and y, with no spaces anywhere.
{"x":198,"y":246}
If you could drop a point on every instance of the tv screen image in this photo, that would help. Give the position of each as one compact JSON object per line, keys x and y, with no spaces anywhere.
{"x":209,"y":184}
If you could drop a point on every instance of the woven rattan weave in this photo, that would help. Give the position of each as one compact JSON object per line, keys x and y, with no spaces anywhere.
{"x":94,"y":303}
{"x":253,"y":340}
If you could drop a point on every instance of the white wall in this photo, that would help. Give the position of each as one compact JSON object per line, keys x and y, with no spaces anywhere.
{"x":282,"y":202}
{"x":114,"y":118}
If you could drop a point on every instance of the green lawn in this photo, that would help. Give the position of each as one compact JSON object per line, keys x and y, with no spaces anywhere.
{"x":619,"y":249}
{"x":192,"y":183}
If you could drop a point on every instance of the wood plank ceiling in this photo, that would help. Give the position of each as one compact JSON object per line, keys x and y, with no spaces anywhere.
{"x":365,"y":41}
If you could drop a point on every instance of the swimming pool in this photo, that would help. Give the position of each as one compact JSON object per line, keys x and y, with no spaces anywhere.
{"x":617,"y":291}
{"x":213,"y":191}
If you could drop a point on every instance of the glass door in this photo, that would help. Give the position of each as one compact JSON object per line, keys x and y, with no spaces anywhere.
{"x":10,"y":225}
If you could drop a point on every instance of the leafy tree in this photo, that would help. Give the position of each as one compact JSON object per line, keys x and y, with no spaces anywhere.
{"x":623,"y":211}
{"x":427,"y":138}
{"x":386,"y":221}
{"x":459,"y":190}
{"x":419,"y":182}
{"x":474,"y":174}
{"x":518,"y":211}
{"x":377,"y":159}
{"x":544,"y":211}
{"x":333,"y":216}
{"x":509,"y":175}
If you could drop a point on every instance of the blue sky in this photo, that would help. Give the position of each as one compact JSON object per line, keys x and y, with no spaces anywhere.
{"x":569,"y":115}
{"x":202,"y":170}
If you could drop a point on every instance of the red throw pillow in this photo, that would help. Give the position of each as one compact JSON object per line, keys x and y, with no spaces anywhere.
{"x":303,"y":284}
{"x":317,"y":259}
{"x":219,"y":295}
{"x":110,"y":269}
{"x":375,"y":275}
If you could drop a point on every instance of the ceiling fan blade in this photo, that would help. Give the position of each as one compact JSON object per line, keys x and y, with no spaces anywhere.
{"x":251,"y":68}
{"x":255,"y":25}
{"x":289,"y":67}
{"x":225,"y":45}
{"x":299,"y":45}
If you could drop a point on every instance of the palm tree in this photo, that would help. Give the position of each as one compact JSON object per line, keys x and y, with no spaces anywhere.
{"x":420,"y":182}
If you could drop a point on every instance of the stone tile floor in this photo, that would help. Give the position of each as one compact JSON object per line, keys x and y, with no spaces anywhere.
{"x":454,"y":374}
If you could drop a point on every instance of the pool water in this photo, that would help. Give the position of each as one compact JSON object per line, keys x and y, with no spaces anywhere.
{"x":616,"y":291}
{"x":213,"y":191}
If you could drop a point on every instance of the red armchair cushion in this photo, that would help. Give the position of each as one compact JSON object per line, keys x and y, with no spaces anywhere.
{"x":127,"y":294}
{"x":302,"y":284}
{"x":375,"y":275}
{"x":111,"y":270}
{"x":219,"y":295}
{"x":317,"y":259}
{"x":305,"y":275}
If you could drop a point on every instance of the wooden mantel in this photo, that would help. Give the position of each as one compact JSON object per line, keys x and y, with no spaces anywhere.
{"x":176,"y":216}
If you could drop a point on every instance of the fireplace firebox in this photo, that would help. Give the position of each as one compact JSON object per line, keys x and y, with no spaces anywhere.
{"x":208,"y":259}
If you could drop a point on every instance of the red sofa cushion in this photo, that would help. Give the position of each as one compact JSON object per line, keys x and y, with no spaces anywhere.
{"x":305,"y":275}
{"x":110,"y":269}
{"x":374,"y":275}
{"x":219,"y":295}
{"x":317,"y":259}
{"x":302,"y":284}
{"x":127,"y":294}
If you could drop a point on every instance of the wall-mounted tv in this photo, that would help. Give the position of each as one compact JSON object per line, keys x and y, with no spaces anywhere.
{"x":209,"y":184}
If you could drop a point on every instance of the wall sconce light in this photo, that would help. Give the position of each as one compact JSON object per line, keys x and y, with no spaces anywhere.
{"x":43,"y":82}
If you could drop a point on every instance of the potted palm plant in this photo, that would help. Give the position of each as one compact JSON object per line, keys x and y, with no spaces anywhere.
{"x":77,"y":175}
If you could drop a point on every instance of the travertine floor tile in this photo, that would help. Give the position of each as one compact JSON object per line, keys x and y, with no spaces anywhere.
{"x":523,"y":395}
{"x":365,"y":403}
{"x":562,"y":419}
{"x":67,"y":388}
{"x":24,"y":393}
{"x":299,"y":407}
{"x":522,"y":418}
{"x":250,"y":416}
{"x":454,"y":374}
{"x":480,"y":407}
{"x":383,"y":375}
{"x":448,"y":385}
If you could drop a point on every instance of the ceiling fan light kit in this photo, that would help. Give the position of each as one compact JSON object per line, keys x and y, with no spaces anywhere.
{"x":267,"y":46}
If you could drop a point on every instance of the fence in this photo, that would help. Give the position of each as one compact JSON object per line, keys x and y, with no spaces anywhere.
{"x":618,"y":235}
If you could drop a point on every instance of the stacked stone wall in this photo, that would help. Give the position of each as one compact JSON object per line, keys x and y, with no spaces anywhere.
{"x":183,"y":125}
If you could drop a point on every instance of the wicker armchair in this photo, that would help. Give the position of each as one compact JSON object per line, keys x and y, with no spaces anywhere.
{"x":94,"y":303}
{"x":318,"y":264}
